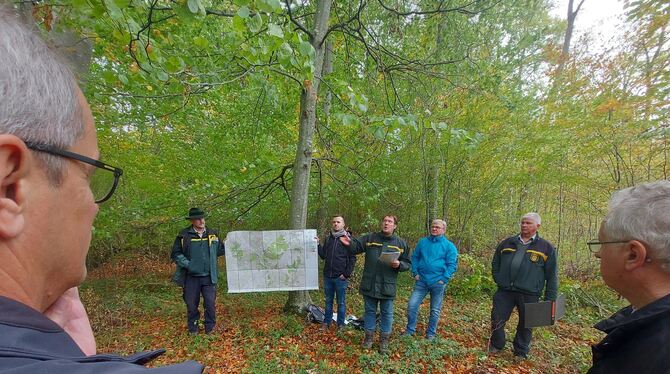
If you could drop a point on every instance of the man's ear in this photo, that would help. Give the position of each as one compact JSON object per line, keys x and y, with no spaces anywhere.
{"x":14,"y":166}
{"x":636,"y":256}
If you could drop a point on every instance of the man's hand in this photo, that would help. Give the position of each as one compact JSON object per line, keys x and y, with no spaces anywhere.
{"x":417,"y":277}
{"x":345,"y":240}
{"x":395,"y":264}
{"x":69,"y":313}
{"x":343,"y":277}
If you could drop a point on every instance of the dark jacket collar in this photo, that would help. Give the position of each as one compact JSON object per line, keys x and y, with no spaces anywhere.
{"x":17,"y":314}
{"x":627,"y":319}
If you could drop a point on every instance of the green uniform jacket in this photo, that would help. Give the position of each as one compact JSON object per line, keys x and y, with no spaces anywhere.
{"x":531,"y":273}
{"x":379,"y":279}
{"x":181,"y":253}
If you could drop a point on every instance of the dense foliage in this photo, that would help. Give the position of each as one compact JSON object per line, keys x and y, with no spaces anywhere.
{"x":458,"y":109}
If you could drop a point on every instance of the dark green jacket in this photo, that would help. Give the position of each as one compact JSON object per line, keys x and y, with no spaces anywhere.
{"x":534,"y":271}
{"x":185,"y":260}
{"x":379,"y":279}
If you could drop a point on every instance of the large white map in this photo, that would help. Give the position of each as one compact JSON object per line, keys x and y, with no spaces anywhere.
{"x":260,"y":261}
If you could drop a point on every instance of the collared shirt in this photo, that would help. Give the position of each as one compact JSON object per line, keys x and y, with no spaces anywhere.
{"x":530,"y":240}
{"x":200,"y":233}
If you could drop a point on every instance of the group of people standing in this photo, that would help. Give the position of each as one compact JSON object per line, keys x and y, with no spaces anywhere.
{"x":432,"y":263}
{"x":523,"y":266}
{"x":53,"y":186}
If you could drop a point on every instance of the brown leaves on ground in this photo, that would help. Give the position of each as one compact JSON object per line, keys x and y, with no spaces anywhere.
{"x":134,"y":307}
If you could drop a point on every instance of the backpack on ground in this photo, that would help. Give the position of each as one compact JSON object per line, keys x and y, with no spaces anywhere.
{"x":315,"y":314}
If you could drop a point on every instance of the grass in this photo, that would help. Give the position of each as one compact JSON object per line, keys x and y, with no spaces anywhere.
{"x":133,"y":306}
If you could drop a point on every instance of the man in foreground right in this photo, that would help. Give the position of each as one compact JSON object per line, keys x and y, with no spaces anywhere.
{"x":634,"y":250}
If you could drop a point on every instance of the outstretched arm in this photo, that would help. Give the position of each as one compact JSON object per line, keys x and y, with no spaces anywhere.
{"x":69,"y":313}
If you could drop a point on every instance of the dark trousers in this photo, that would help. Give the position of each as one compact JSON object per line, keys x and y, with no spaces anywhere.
{"x":193,"y":287}
{"x":503,"y":304}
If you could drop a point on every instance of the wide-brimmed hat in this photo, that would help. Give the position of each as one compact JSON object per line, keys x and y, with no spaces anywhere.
{"x":195,"y":213}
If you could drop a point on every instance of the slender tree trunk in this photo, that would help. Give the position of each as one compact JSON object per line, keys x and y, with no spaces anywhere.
{"x":303,"y":157}
{"x":322,"y":213}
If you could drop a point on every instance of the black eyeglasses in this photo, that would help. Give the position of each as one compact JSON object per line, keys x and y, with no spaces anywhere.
{"x":104,"y":179}
{"x":594,"y":246}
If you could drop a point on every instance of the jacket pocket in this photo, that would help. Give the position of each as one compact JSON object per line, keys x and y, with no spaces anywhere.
{"x":366,"y":283}
{"x":388,"y":289}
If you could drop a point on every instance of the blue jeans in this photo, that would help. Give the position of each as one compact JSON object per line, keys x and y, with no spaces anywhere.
{"x":331,"y":288}
{"x":385,"y":309}
{"x":421,"y":289}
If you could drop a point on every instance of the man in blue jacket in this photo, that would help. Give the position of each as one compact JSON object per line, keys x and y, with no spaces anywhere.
{"x":52,"y":187}
{"x":434,"y":262}
{"x":339,"y":263}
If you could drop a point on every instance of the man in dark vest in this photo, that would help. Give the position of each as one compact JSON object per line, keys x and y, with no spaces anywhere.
{"x":195,"y":251}
{"x":523,"y":266}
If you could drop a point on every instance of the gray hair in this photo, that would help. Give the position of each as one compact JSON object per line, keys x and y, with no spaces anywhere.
{"x":442,"y":223}
{"x":532,"y":216}
{"x":642,"y":213}
{"x":39,"y":96}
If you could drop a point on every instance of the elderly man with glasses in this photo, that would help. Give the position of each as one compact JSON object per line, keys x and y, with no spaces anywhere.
{"x":634,"y":250}
{"x":52,"y":184}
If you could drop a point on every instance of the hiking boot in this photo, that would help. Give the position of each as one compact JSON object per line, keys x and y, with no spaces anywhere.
{"x":324,"y":327}
{"x":493,"y":351}
{"x":384,"y":343}
{"x":367,"y":342}
{"x":519,"y":357}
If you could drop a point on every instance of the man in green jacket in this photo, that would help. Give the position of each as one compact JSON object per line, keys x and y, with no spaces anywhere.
{"x":195,"y":251}
{"x":385,"y":255}
{"x":523,"y":266}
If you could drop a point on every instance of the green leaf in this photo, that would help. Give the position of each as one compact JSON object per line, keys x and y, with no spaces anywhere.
{"x":174,"y":64}
{"x":243,"y":12}
{"x":194,"y":6}
{"x":114,"y":11}
{"x":122,"y":3}
{"x":306,"y":49}
{"x":379,"y":132}
{"x":109,"y":76}
{"x":275,"y":30}
{"x":123,"y":79}
{"x":162,"y":76}
{"x":268,"y":6}
{"x":348,"y":119}
{"x":255,"y":23}
{"x":238,"y":24}
{"x":201,"y":42}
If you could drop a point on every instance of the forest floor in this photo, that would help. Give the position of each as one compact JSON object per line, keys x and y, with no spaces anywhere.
{"x":133,"y":306}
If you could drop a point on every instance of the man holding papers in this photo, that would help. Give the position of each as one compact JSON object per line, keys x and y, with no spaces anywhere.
{"x":380,"y":272}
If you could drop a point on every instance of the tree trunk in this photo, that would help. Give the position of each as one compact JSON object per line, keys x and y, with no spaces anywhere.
{"x":303,"y":157}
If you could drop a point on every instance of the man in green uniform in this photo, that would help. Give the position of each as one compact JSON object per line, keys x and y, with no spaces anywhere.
{"x":385,"y":256}
{"x":195,"y":251}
